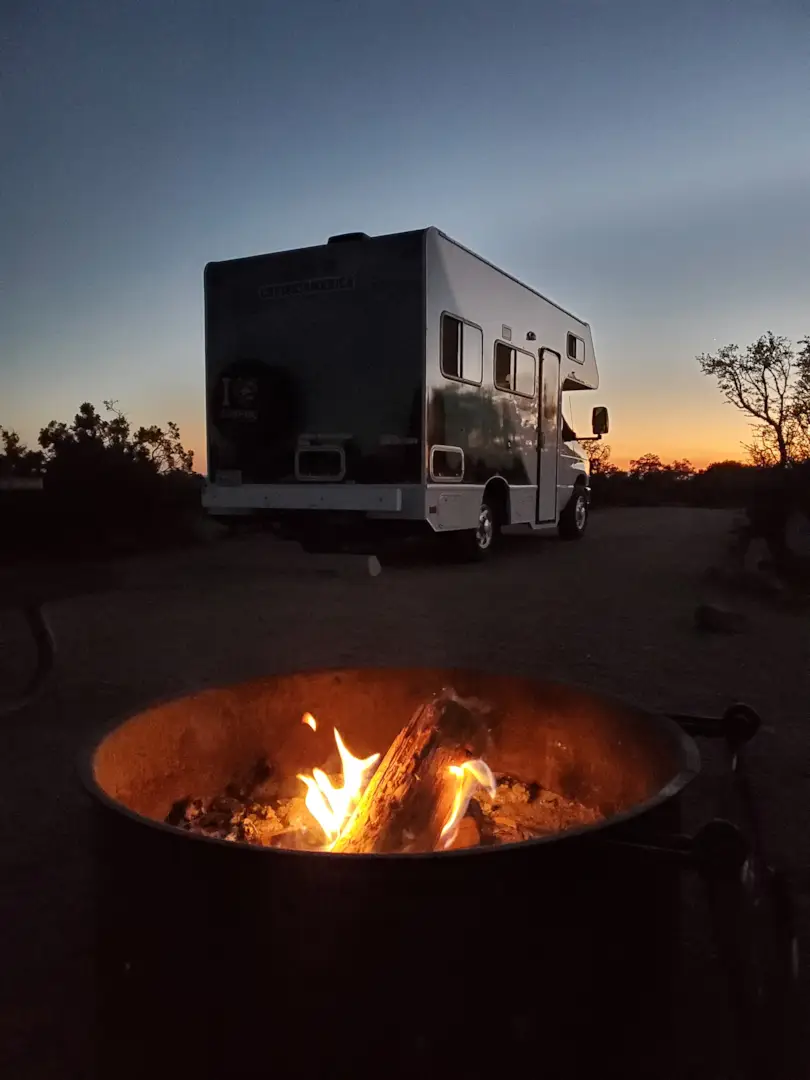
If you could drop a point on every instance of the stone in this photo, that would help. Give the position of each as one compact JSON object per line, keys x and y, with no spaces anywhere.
{"x":340,"y":564}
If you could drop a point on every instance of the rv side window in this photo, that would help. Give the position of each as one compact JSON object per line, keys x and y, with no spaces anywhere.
{"x":462,"y":350}
{"x":504,"y":364}
{"x":472,"y":354}
{"x":576,"y":348}
{"x":514,"y":370}
{"x":524,"y":374}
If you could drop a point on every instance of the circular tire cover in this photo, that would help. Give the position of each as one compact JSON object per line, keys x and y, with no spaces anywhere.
{"x":254,"y":402}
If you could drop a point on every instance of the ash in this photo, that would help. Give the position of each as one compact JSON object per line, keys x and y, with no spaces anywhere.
{"x":262,"y":811}
{"x":525,"y":811}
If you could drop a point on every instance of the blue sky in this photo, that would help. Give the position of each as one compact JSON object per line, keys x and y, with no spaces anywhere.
{"x":646,"y":165}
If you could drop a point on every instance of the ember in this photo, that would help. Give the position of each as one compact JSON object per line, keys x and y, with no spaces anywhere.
{"x":429,"y":793}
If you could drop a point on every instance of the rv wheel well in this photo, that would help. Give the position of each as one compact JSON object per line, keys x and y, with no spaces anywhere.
{"x":496,"y":494}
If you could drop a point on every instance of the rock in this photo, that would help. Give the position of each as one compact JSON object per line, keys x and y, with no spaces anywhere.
{"x":374,"y":567}
{"x":340,"y":564}
{"x":718,"y":620}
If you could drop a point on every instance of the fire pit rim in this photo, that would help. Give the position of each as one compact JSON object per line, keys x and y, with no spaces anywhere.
{"x":688,"y":748}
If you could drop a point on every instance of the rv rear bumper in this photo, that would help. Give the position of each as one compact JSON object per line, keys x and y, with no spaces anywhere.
{"x":358,"y":498}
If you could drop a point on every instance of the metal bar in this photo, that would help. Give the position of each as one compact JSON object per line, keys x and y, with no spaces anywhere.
{"x":46,"y":653}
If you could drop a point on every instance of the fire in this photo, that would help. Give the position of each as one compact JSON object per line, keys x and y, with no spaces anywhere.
{"x":470,"y":776}
{"x":333,"y":806}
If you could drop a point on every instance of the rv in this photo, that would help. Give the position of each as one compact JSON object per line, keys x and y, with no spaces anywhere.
{"x":392,"y":383}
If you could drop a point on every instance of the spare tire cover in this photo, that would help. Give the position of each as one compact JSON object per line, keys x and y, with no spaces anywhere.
{"x":252,"y":402}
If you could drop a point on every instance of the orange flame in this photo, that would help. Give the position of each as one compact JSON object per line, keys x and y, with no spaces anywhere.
{"x":333,"y":806}
{"x":470,"y":775}
{"x":310,"y":721}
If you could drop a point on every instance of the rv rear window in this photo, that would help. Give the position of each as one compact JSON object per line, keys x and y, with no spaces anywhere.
{"x":576,"y":349}
{"x":462,"y":350}
{"x":514,"y":370}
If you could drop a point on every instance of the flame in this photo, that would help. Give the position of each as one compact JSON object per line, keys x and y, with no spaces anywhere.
{"x":310,"y":720}
{"x":333,"y":806}
{"x":471,"y":775}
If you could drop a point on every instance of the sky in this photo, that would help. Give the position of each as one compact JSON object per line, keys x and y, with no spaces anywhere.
{"x":646,"y":165}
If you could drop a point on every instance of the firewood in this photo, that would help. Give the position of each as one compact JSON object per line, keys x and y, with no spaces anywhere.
{"x":467,"y":836}
{"x":410,"y":796}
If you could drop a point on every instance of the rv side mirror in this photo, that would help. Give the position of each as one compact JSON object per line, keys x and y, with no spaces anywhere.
{"x":599,"y":420}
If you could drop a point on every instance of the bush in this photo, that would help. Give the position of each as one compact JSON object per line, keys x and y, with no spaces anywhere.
{"x":650,"y":482}
{"x":106,"y":488}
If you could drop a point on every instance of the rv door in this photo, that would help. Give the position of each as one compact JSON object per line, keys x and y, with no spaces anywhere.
{"x":548,"y":435}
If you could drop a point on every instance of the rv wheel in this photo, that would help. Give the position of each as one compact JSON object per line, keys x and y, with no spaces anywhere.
{"x":474,"y":545}
{"x":574,"y":518}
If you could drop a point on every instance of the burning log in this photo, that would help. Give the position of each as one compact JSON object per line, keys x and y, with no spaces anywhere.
{"x":412,"y":795}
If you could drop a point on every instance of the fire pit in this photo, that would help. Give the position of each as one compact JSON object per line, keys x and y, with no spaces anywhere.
{"x":477,"y":896}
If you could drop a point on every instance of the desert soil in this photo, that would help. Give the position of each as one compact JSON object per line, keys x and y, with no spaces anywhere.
{"x":615,"y":613}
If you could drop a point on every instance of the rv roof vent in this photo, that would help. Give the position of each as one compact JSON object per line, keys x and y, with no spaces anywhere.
{"x":348,"y":237}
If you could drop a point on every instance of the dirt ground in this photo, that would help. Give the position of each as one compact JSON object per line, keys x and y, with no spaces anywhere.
{"x":615,"y":613}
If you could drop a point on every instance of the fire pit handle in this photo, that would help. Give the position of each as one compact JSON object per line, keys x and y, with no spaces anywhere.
{"x":738,"y":725}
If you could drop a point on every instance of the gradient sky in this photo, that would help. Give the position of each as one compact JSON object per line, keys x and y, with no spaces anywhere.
{"x":645,"y":164}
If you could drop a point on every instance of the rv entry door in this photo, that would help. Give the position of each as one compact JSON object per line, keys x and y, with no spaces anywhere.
{"x":548,"y":435}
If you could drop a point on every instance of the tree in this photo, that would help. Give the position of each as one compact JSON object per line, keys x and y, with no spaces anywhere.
{"x":93,"y":441}
{"x":770,"y":382}
{"x":599,"y":459}
{"x":106,"y":486}
{"x":16,"y":459}
{"x":801,"y":403}
{"x":646,"y":465}
{"x":680,"y":470}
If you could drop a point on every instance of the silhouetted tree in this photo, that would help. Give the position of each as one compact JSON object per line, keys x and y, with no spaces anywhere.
{"x":646,"y":465}
{"x":91,"y":436}
{"x":680,"y":470}
{"x":16,"y":459}
{"x":770,"y":382}
{"x":801,"y":403}
{"x":599,"y":459}
{"x":105,"y":485}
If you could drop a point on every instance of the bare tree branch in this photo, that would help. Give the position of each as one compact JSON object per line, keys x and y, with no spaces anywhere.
{"x":771,"y":383}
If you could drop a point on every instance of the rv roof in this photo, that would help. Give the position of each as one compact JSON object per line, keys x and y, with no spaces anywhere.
{"x":511,"y":277}
{"x":360,"y":237}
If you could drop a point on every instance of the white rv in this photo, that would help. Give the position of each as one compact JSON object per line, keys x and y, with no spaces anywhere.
{"x":387,"y":383}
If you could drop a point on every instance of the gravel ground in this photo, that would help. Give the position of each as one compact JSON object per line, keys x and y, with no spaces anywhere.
{"x":615,"y":613}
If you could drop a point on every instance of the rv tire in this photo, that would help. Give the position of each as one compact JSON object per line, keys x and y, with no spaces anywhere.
{"x":574,"y":518}
{"x":475,"y":545}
